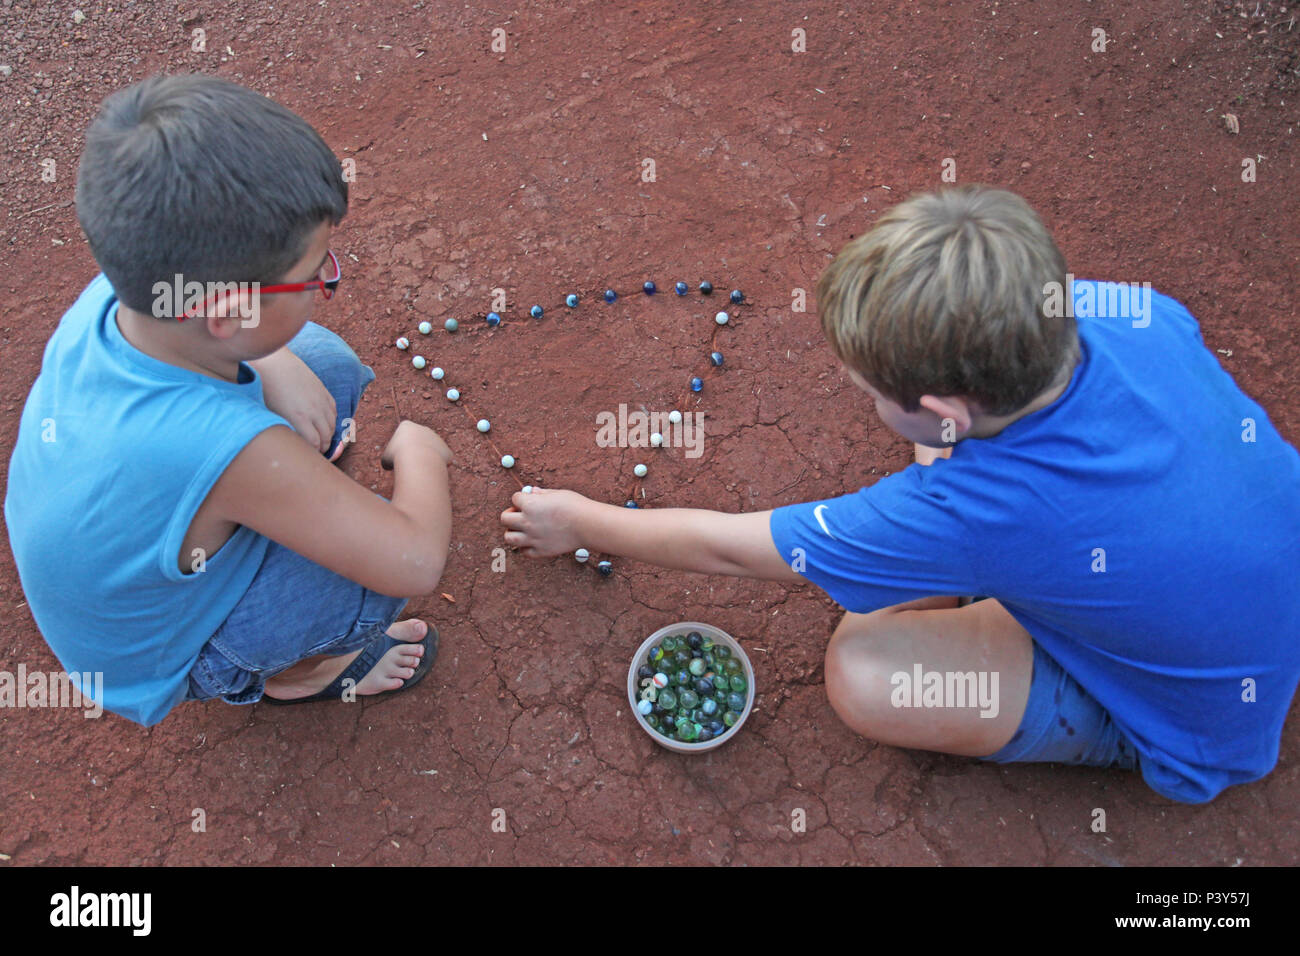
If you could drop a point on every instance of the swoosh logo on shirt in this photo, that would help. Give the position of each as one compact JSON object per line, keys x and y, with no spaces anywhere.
{"x":817,"y":513}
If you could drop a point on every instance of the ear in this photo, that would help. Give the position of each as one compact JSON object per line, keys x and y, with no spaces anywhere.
{"x":950,"y":407}
{"x":234,"y":311}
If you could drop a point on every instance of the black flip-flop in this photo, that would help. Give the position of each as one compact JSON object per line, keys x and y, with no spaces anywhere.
{"x":365,"y":662}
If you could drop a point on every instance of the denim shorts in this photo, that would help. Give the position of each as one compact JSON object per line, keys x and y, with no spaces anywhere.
{"x":1063,"y":723}
{"x":295,"y":608}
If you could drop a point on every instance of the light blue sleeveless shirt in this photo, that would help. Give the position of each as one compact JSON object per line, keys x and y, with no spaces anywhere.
{"x":116,"y":451}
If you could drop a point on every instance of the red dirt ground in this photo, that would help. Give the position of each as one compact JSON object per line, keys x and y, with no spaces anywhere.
{"x":767,"y":162}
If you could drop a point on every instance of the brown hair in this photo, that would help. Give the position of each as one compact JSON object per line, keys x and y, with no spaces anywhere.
{"x":948,"y":295}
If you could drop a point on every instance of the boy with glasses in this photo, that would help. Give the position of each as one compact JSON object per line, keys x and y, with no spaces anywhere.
{"x":172,"y":506}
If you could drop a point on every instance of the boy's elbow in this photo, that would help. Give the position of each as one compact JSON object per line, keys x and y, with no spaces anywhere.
{"x":429,"y":574}
{"x":418,"y":574}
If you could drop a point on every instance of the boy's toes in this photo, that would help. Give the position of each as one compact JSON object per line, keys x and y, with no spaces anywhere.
{"x":409,"y":630}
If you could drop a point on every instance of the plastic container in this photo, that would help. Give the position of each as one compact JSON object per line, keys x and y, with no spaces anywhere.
{"x":719,"y":636}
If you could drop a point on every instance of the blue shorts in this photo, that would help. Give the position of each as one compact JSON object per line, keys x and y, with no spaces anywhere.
{"x":295,"y":608}
{"x":1063,"y":723}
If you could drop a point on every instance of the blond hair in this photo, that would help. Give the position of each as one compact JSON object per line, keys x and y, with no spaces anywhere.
{"x":948,"y":295}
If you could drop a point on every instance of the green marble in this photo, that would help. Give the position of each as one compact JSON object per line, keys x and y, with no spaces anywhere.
{"x":697,"y":667}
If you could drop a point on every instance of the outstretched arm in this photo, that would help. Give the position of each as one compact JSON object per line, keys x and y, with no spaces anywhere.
{"x":548,"y":522}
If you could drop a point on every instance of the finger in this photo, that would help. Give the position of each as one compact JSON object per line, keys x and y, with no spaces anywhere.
{"x":515,"y":539}
{"x":311,"y":435}
{"x":513,"y":520}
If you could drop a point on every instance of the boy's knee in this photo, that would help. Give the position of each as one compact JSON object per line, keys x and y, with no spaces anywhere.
{"x":859,"y":669}
{"x":323,"y":349}
{"x":332,"y":360}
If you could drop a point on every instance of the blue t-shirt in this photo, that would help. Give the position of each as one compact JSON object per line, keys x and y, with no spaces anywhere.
{"x":115,"y":453}
{"x":1144,"y":529}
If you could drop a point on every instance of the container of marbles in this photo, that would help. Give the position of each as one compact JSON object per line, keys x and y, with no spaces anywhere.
{"x":679,"y":708}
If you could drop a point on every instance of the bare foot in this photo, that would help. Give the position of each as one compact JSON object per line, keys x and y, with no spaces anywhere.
{"x":925,"y":455}
{"x":314,"y":674}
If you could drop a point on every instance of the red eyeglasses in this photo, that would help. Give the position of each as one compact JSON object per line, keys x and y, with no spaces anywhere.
{"x":326,"y":286}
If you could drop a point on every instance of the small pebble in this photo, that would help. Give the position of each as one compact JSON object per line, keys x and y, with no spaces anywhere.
{"x":493,"y":319}
{"x":451,"y":325}
{"x":453,"y":395}
{"x":706,"y":287}
{"x":675,"y":417}
{"x":737,"y":297}
{"x":581,"y":555}
{"x":426,"y":328}
{"x":680,"y":288}
{"x":536,"y":312}
{"x":697,"y":383}
{"x":436,"y":374}
{"x":715,"y":358}
{"x":571,"y":300}
{"x":484,"y":425}
{"x":606,"y":568}
{"x":403,"y":343}
{"x":610,"y":295}
{"x":656,"y":440}
{"x":507,"y":461}
{"x":640,"y":471}
{"x":722,"y":318}
{"x":418,"y":361}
